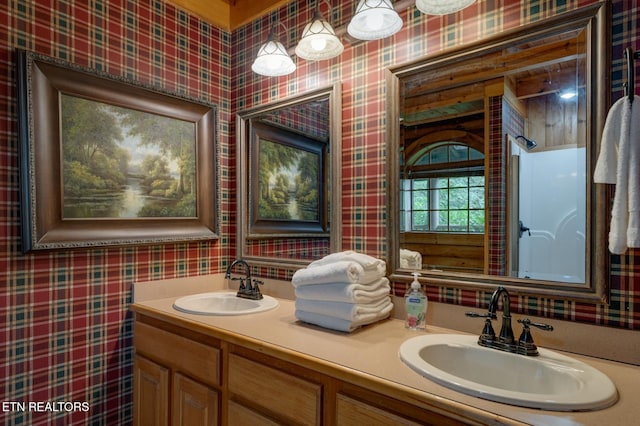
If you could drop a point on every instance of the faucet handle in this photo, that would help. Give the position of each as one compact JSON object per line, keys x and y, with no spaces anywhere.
{"x":525,"y":341}
{"x":488,"y":333}
{"x":256,"y":289}
{"x":478,"y":315}
{"x":527,"y":322}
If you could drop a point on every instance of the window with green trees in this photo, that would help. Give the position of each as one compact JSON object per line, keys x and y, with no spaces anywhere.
{"x":443,"y":190}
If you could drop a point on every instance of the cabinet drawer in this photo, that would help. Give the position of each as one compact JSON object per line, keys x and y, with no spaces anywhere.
{"x":283,"y":395}
{"x":353,"y":412}
{"x":240,"y":415}
{"x":359,"y":406}
{"x":181,"y":354}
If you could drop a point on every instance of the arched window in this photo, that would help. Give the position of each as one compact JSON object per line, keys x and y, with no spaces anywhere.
{"x":443,"y":189}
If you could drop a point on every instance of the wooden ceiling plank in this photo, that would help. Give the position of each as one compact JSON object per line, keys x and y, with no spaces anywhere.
{"x":215,"y":12}
{"x":245,"y":11}
{"x":472,"y":70}
{"x":229,"y":14}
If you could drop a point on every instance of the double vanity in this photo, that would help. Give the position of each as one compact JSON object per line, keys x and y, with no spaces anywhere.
{"x":265,"y":367}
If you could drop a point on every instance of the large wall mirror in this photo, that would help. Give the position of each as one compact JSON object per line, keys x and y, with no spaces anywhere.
{"x":491,"y":151}
{"x":289,"y":156}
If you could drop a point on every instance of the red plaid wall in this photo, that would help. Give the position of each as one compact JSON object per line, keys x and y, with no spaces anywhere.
{"x":66,"y":330}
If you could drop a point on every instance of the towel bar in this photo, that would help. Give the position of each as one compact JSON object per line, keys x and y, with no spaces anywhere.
{"x":630,"y":84}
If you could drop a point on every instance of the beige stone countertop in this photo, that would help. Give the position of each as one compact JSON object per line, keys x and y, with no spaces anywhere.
{"x":371,"y":352}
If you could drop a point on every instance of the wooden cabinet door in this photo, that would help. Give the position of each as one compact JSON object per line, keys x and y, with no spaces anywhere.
{"x":193,"y":403}
{"x":150,"y":393}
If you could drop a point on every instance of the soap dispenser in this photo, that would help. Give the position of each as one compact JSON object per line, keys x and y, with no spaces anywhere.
{"x":416,"y":305}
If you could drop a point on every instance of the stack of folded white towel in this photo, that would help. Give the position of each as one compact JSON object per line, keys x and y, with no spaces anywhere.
{"x":342,"y":291}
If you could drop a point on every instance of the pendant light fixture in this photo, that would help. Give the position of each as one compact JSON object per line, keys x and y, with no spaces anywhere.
{"x":373,"y":20}
{"x":319,"y":40}
{"x":441,"y":7}
{"x":272,"y":59}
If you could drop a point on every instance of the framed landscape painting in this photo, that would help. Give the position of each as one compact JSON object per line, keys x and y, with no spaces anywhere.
{"x":288,"y":183}
{"x":106,"y":161}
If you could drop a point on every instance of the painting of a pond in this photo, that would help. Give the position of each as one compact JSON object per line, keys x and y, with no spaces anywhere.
{"x":124,"y":163}
{"x":287,"y":183}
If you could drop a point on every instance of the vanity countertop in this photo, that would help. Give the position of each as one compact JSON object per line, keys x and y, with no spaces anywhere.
{"x":371,"y":354}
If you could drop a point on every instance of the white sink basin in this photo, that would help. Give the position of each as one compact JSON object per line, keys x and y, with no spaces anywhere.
{"x":223,"y":303}
{"x":550,"y":381}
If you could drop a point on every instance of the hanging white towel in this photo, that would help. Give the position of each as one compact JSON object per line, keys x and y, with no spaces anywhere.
{"x":341,"y":271}
{"x":343,"y":310}
{"x":633,"y":225}
{"x":618,"y":164}
{"x":607,"y":164}
{"x":345,"y":292}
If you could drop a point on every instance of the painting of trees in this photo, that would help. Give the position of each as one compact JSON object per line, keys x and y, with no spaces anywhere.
{"x":120,"y":162}
{"x":93,"y":160}
{"x":287,"y":182}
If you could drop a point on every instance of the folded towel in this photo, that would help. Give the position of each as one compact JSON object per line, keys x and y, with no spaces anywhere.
{"x":341,"y":271}
{"x":367,"y":262}
{"x":343,"y":310}
{"x":345,"y":292}
{"x":618,"y":163}
{"x":333,"y":323}
{"x":410,"y":259}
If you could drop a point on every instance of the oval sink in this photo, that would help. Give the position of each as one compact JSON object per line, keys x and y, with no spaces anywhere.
{"x":550,"y":381}
{"x":223,"y":303}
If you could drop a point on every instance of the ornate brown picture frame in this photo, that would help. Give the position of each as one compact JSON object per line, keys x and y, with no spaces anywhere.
{"x":106,"y":161}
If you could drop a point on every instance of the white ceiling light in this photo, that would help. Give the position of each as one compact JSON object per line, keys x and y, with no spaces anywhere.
{"x":441,"y":7}
{"x":318,"y":41}
{"x":272,"y":59}
{"x":374,"y":19}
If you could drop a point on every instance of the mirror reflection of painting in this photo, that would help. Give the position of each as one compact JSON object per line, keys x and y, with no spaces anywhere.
{"x":288,"y":174}
{"x":123,"y":163}
{"x":287,"y":183}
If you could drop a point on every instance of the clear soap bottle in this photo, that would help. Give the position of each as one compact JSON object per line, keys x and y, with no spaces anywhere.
{"x":416,"y":305}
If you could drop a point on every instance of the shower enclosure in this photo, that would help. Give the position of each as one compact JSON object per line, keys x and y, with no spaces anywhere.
{"x":549,"y":229}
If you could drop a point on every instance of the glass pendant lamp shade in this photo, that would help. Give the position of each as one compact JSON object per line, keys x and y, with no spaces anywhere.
{"x":373,"y":20}
{"x":272,"y":59}
{"x":441,"y":7}
{"x":318,"y":41}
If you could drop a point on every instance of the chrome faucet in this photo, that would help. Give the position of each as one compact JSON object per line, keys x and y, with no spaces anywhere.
{"x":248,"y":287}
{"x":505,"y":341}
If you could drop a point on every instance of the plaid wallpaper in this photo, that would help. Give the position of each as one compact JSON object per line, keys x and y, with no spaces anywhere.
{"x":66,"y":330}
{"x":497,"y":158}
